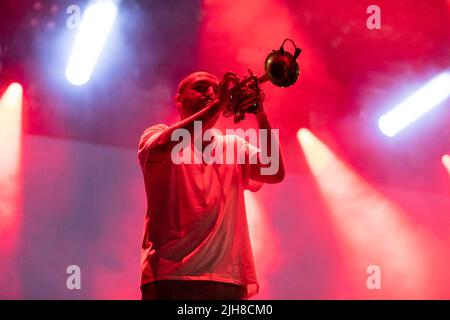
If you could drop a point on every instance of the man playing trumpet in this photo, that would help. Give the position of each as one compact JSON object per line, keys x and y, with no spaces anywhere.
{"x":196,"y":241}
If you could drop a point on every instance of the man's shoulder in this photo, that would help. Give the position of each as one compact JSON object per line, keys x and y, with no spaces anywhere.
{"x":154,"y":129}
{"x":150,"y":133}
{"x":157,"y":127}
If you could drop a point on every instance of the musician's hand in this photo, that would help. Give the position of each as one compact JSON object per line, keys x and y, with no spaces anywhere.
{"x":228,"y":82}
{"x":240,"y":97}
{"x":254,"y":101}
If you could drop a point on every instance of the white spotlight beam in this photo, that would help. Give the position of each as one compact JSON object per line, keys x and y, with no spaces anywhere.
{"x":95,"y":27}
{"x":446,"y":162}
{"x":424,"y":100}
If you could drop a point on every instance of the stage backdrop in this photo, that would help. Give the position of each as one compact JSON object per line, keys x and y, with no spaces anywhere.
{"x":84,"y":205}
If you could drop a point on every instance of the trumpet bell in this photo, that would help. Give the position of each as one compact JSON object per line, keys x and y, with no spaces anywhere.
{"x":245,"y":96}
{"x":281,"y":68}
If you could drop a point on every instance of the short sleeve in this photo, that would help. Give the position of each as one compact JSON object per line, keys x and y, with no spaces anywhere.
{"x":251,"y":154}
{"x":147,"y":142}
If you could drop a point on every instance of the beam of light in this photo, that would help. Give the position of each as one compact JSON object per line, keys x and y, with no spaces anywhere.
{"x":96,"y":25}
{"x":263,"y":241}
{"x":10,"y":218}
{"x":374,"y":230}
{"x":11,"y":127}
{"x":424,"y":100}
{"x":446,"y":162}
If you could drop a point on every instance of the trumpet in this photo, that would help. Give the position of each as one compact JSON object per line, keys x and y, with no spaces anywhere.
{"x":245,"y":96}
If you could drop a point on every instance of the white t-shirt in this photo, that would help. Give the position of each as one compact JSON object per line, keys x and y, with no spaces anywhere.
{"x":196,"y":224}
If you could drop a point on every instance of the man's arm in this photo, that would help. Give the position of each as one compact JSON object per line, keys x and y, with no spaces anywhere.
{"x":158,"y":144}
{"x":257,"y":171}
{"x":207,"y":116}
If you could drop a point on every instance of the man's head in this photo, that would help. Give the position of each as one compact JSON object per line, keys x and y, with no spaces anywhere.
{"x":195,"y":92}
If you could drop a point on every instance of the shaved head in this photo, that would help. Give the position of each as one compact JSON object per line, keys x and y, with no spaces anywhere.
{"x":194,"y":76}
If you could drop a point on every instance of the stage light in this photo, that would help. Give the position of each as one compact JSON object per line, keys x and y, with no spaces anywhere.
{"x":309,"y":142}
{"x":10,"y":121}
{"x":372,"y":227}
{"x":446,"y":162}
{"x":304,"y":135}
{"x":12,"y":98}
{"x":10,"y":132}
{"x":95,"y":27}
{"x":10,"y":186}
{"x":424,"y":100}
